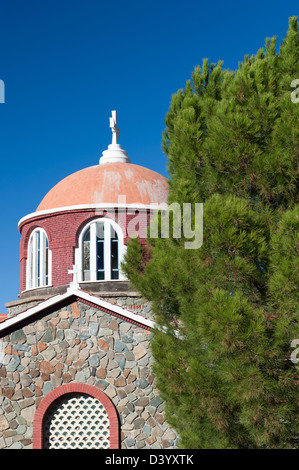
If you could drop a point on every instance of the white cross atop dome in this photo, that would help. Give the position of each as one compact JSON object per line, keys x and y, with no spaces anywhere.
{"x":114,"y":153}
{"x":114,"y":127}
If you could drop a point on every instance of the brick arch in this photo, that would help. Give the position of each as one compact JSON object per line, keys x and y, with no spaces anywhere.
{"x":106,"y":214}
{"x":26,"y":237}
{"x":84,"y":223}
{"x":37,"y":440}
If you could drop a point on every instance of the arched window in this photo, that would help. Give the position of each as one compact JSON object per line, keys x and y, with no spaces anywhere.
{"x":38,"y":260}
{"x":101,"y":250}
{"x":76,"y":416}
{"x":76,"y":421}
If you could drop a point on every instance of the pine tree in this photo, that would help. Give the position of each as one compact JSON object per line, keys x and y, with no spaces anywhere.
{"x":227,"y":312}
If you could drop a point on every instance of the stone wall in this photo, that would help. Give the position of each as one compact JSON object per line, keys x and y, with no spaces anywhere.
{"x":81,"y":344}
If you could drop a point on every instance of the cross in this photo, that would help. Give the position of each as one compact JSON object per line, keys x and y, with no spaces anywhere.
{"x":114,"y":127}
{"x":75,"y":271}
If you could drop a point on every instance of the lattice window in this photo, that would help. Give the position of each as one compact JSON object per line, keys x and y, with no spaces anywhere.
{"x":77,"y":421}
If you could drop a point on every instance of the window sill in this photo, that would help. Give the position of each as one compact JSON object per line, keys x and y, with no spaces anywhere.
{"x":37,"y":288}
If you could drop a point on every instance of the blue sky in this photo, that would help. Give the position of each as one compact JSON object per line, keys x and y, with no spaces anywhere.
{"x":66,"y":64}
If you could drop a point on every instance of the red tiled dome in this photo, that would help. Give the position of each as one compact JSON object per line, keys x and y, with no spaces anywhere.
{"x":104,"y":184}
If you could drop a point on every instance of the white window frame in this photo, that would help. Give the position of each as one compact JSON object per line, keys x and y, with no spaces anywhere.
{"x":108,"y":223}
{"x":33,"y":281}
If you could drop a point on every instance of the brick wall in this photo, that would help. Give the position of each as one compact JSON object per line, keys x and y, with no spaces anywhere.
{"x":63,"y":230}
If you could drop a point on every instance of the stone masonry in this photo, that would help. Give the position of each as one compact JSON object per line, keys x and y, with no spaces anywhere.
{"x":81,"y":344}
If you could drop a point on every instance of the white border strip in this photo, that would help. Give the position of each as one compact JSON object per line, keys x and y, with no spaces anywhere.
{"x":11,"y":321}
{"x":114,"y":308}
{"x":103,"y":206}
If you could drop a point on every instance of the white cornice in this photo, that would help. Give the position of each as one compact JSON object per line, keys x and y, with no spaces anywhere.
{"x":101,"y":206}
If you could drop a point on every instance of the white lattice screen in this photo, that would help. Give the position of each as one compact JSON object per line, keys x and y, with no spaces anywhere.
{"x":77,"y":421}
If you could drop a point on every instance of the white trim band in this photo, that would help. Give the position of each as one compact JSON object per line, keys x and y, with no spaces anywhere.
{"x":11,"y":321}
{"x":101,"y":206}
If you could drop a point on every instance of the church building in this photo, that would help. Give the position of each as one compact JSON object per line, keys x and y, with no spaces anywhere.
{"x":75,"y":356}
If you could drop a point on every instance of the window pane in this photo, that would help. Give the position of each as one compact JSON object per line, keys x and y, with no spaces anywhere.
{"x":38,"y":257}
{"x":101,"y":275}
{"x":114,"y":255}
{"x":86,"y":256}
{"x":100,"y":231}
{"x":114,"y":274}
{"x":100,"y":252}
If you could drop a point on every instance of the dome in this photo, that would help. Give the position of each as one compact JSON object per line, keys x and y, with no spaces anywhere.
{"x":105,"y":184}
{"x":114,"y":181}
{"x":69,"y":233}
